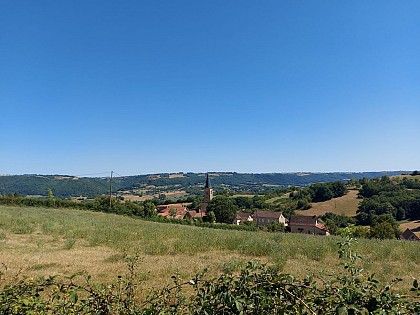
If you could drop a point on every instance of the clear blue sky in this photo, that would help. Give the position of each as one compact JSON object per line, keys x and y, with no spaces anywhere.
{"x":248,"y":86}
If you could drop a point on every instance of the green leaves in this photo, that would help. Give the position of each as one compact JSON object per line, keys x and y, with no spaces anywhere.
{"x":256,"y":289}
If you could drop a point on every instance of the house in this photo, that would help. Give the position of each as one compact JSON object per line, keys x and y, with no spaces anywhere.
{"x":410,"y":235}
{"x":262,"y":218}
{"x":192,"y":215}
{"x":307,"y":225}
{"x":242,"y":217}
{"x":176,"y":211}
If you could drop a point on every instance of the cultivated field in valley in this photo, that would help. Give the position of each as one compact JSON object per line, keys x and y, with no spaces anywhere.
{"x":345,"y":205}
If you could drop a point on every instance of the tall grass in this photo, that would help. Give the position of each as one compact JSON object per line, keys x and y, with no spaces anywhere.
{"x":220,"y":248}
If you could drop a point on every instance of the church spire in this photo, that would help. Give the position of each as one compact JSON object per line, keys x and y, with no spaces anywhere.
{"x":208,"y":184}
{"x":208,"y":195}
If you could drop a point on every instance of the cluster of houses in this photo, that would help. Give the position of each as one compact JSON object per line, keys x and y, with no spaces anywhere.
{"x":297,"y":223}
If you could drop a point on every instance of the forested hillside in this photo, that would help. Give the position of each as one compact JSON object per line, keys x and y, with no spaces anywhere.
{"x":66,"y":186}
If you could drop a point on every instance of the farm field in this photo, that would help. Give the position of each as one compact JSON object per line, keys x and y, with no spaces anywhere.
{"x":169,"y":194}
{"x":38,"y":241}
{"x":413,"y":225}
{"x":345,"y":205}
{"x":406,"y":176}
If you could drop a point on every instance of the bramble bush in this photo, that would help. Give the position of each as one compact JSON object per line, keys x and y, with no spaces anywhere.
{"x":256,"y":289}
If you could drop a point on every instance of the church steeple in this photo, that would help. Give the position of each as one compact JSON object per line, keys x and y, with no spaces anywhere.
{"x":208,"y":184}
{"x":208,"y":195}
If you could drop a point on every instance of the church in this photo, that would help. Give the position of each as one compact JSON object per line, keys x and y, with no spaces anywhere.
{"x":208,"y":195}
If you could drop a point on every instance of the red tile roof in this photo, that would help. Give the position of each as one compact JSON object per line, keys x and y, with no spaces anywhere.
{"x":242,"y":215}
{"x":267,"y":214}
{"x":195,"y":214}
{"x":304,"y":220}
{"x":164,"y":208}
{"x":165,"y":211}
{"x":410,"y":235}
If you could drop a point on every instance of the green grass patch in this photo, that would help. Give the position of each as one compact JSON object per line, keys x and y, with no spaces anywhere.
{"x":37,"y":267}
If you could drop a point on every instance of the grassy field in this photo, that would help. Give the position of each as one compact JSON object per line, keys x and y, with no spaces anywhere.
{"x":39,"y":241}
{"x":406,"y":176}
{"x":345,"y":205}
{"x":413,"y":225}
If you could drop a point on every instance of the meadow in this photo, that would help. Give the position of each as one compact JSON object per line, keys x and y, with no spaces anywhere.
{"x":345,"y":205}
{"x":45,"y":241}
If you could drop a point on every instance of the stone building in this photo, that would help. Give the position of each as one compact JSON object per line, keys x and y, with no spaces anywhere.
{"x":208,"y":195}
{"x":307,"y":225}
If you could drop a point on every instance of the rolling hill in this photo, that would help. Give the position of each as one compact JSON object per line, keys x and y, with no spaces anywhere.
{"x":67,"y":186}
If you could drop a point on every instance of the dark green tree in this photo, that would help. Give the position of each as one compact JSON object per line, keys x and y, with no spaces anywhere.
{"x":149,"y":209}
{"x":223,"y":208}
{"x":195,"y":204}
{"x":384,"y":226}
{"x":321,"y":192}
{"x":210,"y":217}
{"x":275,"y":227}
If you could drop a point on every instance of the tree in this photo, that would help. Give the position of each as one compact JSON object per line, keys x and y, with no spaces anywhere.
{"x":210,"y":217}
{"x":382,"y":230}
{"x":195,"y":204}
{"x":173,"y":212}
{"x":223,"y":209}
{"x":338,"y":188}
{"x":275,"y":227}
{"x":384,"y":226}
{"x":321,"y":192}
{"x":51,"y":200}
{"x":149,"y":209}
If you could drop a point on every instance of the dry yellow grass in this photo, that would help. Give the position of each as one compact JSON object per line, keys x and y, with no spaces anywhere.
{"x":345,"y":205}
{"x":406,"y":176}
{"x":42,"y":241}
{"x":169,"y":194}
{"x":412,"y":225}
{"x":38,"y":255}
{"x":177,"y":175}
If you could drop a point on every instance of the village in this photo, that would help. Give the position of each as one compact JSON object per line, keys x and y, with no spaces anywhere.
{"x":297,"y":223}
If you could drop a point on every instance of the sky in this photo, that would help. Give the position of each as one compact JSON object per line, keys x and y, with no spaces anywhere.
{"x":142,"y":87}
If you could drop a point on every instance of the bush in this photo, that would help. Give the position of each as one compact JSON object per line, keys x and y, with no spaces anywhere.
{"x":256,"y":289}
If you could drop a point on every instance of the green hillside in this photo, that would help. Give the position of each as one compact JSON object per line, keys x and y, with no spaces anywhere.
{"x":66,"y":186}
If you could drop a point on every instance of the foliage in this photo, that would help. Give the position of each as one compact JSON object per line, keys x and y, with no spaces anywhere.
{"x":384,"y":226}
{"x":259,"y":289}
{"x":210,"y":217}
{"x":101,"y":203}
{"x":273,"y":226}
{"x":223,"y":209}
{"x":383,"y":196}
{"x":22,"y":295}
{"x":255,"y":289}
{"x":326,"y":191}
{"x":66,"y":186}
{"x":335,"y":222}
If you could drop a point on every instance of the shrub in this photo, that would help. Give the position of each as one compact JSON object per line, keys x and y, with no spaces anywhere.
{"x":255,"y":289}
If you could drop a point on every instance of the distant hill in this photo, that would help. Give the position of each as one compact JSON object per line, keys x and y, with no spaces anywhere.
{"x":67,"y":186}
